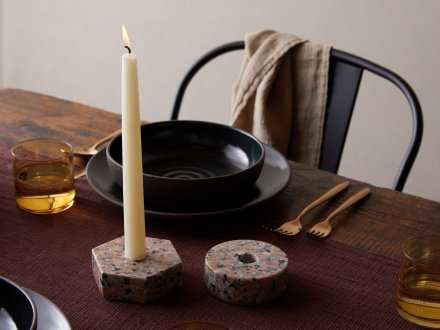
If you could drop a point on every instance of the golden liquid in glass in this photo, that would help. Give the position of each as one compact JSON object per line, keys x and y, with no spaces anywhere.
{"x":45,"y":188}
{"x":418,"y":298}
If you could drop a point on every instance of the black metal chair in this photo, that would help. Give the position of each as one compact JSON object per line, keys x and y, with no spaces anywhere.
{"x":344,"y":80}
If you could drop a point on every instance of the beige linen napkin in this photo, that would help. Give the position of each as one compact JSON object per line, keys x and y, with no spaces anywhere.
{"x":281,"y":92}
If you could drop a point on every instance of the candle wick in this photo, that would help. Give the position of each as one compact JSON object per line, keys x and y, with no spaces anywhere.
{"x":128,"y":48}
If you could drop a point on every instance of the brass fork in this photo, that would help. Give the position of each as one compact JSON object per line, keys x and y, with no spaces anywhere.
{"x":293,"y":227}
{"x":324,"y":228}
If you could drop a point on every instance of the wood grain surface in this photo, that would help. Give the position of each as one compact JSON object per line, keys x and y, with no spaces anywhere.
{"x":26,"y":115}
{"x":380,"y":223}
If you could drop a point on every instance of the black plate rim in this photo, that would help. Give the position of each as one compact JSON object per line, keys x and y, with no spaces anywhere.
{"x":25,"y":294}
{"x":47,"y":313}
{"x":272,"y":157}
{"x":48,"y":309}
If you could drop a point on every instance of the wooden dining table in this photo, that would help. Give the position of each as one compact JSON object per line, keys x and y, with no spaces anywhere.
{"x":345,"y":280}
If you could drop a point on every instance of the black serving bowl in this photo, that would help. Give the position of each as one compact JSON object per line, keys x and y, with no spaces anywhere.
{"x":18,"y":304}
{"x":186,"y":163}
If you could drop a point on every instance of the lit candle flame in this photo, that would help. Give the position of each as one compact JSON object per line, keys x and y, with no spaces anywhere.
{"x":125,"y":38}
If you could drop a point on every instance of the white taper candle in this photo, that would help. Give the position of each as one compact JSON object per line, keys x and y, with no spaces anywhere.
{"x":134,"y":216}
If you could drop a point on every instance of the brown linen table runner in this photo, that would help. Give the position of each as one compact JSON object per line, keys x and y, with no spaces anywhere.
{"x":330,"y":285}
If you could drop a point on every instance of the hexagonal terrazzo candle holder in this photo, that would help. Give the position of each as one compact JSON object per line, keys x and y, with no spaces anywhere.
{"x":141,"y":281}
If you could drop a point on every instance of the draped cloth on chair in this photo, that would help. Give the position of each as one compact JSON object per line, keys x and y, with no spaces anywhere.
{"x":281,"y":92}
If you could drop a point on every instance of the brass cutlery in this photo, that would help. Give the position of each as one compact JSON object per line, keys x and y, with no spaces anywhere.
{"x":82,"y":155}
{"x":324,"y":228}
{"x":293,"y":227}
{"x":79,"y":164}
{"x":93,"y":150}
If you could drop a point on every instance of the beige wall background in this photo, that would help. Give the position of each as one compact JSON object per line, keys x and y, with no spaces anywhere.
{"x":72,"y":50}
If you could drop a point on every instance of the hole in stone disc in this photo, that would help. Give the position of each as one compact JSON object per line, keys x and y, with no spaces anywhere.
{"x":247,"y":258}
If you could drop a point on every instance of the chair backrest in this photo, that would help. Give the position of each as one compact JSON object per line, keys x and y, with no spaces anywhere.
{"x":344,"y":79}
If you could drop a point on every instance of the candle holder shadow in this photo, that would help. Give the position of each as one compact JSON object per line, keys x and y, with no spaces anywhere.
{"x":119,"y":278}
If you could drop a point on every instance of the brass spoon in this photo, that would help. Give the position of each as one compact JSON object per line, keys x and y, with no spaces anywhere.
{"x":93,"y":150}
{"x":81,"y":155}
{"x":79,"y":166}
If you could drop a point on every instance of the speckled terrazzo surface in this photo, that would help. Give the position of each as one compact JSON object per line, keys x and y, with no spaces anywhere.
{"x":246,"y":272}
{"x":136,"y":281}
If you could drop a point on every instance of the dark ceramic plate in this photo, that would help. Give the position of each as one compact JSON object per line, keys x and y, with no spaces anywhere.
{"x":50,"y":317}
{"x":179,"y":156}
{"x":273,"y":179}
{"x":19,"y":306}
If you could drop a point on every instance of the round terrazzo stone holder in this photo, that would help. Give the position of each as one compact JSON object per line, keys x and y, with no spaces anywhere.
{"x":118,"y":278}
{"x":246,"y":272}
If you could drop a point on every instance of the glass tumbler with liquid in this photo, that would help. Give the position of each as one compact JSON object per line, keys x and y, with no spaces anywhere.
{"x":43,"y":175}
{"x":418,"y":294}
